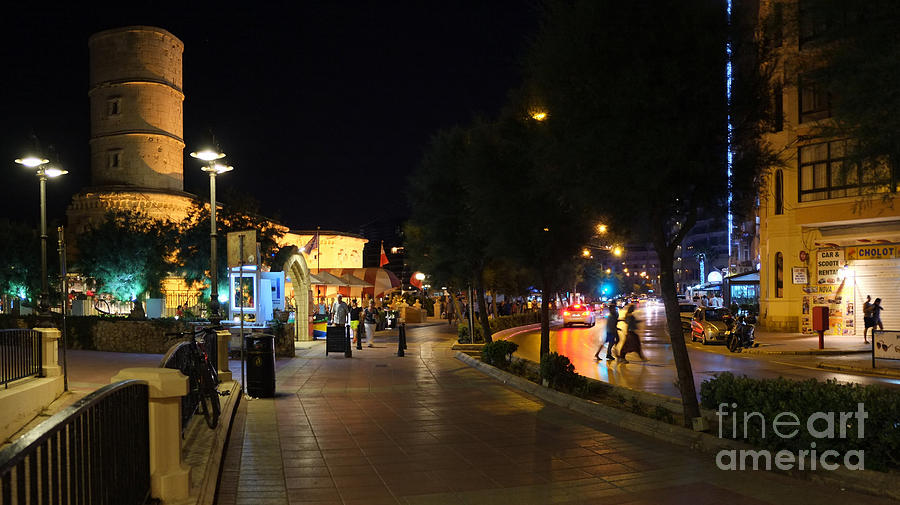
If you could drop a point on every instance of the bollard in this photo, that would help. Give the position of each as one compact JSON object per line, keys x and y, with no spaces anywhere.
{"x":360,"y":331}
{"x":404,"y":336}
{"x":348,"y":350}
{"x":401,"y":340}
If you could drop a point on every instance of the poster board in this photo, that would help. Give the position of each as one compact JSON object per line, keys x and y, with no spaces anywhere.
{"x":841,"y":308}
{"x":887,"y":345}
{"x":233,"y":247}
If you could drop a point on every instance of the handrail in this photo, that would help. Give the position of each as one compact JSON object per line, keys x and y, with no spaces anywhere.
{"x":94,"y":451}
{"x":21,"y":355}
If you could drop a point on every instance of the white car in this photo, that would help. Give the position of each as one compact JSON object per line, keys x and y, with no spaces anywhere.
{"x":578,"y":314}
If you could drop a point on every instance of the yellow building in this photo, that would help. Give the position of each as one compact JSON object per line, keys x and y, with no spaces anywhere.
{"x":829,"y":232}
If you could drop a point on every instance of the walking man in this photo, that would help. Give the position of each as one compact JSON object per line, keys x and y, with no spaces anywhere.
{"x":868,"y":321}
{"x":612,"y":332}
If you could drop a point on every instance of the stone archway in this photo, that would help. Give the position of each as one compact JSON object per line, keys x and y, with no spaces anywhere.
{"x":295,"y":266}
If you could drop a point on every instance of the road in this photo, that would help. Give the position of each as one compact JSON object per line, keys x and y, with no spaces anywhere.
{"x":658,"y":373}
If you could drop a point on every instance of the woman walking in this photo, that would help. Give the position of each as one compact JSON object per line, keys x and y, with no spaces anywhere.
{"x":632,"y":342}
{"x":370,"y":320}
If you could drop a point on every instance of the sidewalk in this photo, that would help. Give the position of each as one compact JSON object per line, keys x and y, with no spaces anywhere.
{"x":427,"y":429}
{"x":797,"y":343}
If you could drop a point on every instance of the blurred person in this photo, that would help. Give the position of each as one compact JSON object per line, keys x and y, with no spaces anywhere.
{"x":632,"y":342}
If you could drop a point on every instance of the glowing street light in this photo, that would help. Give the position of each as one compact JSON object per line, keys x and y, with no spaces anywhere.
{"x":601,"y":229}
{"x":213,"y":169}
{"x":617,"y":251}
{"x":539,"y":115}
{"x":586,"y":252}
{"x":43,"y":173}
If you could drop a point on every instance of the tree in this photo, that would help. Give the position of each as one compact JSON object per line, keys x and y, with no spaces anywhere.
{"x":192,"y":257}
{"x":635,"y":95}
{"x":20,"y":259}
{"x":447,"y":236}
{"x":128,"y":254}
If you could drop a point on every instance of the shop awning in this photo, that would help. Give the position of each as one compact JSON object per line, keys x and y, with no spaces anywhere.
{"x":331,"y":280}
{"x":354,"y":281}
{"x":381,"y":281}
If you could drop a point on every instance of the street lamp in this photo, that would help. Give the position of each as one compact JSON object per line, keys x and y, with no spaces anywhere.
{"x":421,"y":277}
{"x":43,"y":174}
{"x":213,"y":169}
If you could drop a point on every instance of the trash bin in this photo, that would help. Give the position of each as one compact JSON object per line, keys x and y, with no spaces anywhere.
{"x":260,"y":365}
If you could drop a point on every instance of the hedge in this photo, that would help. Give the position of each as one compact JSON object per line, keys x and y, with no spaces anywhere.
{"x":771,"y":397}
{"x":497,"y":324}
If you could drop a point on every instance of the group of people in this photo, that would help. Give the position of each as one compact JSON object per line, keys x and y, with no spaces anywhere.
{"x":872,"y":317}
{"x":714,"y":301}
{"x":631,"y":343}
{"x":363,"y":322}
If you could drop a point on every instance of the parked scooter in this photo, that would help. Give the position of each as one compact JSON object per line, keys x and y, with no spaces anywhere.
{"x":741,"y":334}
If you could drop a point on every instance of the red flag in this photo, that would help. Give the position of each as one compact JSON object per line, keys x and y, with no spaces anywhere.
{"x":384,"y":259}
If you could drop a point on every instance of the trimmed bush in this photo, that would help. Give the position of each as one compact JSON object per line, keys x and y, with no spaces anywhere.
{"x":497,"y":324}
{"x":560,"y":373}
{"x":499,"y":353}
{"x":771,"y":397}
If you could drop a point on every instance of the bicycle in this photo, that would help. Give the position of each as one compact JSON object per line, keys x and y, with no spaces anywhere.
{"x":203,"y":379}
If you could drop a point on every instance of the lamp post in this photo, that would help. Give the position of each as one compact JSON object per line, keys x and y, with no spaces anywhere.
{"x":213,"y":169}
{"x":43,"y":173}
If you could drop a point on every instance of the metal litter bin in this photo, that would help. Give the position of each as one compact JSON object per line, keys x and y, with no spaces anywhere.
{"x":260,"y":365}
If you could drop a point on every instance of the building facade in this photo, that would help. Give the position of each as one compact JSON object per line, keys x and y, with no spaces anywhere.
{"x":829,"y":229}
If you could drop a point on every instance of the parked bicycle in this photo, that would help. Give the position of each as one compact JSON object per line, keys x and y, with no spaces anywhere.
{"x":203,"y":379}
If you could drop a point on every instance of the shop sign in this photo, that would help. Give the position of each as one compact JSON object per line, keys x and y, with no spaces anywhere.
{"x":800,"y":275}
{"x":887,"y":345}
{"x":828,"y":263}
{"x":873,"y":252}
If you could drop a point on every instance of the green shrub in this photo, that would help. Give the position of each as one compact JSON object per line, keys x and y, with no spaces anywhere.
{"x":497,"y":324}
{"x":560,"y":373}
{"x":499,"y":353}
{"x":771,"y":397}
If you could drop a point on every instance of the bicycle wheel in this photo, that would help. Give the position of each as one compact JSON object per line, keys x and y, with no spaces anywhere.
{"x":209,"y":398}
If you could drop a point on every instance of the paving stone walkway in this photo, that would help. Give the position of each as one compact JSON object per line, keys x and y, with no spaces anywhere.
{"x":427,"y":429}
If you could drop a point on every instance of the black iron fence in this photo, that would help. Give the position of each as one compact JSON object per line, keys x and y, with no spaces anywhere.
{"x":95,"y":452}
{"x":20,"y":355}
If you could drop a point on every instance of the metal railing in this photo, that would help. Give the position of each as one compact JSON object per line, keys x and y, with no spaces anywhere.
{"x":20,"y":355}
{"x":96,"y":451}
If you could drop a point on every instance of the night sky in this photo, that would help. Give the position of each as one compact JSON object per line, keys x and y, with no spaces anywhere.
{"x":336,"y":99}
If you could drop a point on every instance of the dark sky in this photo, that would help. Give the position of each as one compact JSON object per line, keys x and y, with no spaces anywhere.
{"x":323,"y":108}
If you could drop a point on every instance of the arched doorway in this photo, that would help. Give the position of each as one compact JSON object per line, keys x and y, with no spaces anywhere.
{"x":295,"y":267}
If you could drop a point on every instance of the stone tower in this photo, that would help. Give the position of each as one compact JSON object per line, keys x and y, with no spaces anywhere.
{"x":136,"y":98}
{"x":137,"y":127}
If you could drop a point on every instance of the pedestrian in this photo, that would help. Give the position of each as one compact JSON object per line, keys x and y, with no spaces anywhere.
{"x":370,"y":320}
{"x":451,"y":308}
{"x":340,"y":312}
{"x":868,"y":321}
{"x":612,"y":333}
{"x":632,"y":342}
{"x":876,"y":316}
{"x":179,"y":312}
{"x":355,"y":311}
{"x":704,"y":301}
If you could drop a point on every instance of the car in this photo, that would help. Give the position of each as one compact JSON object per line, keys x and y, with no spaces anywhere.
{"x":578,"y":314}
{"x":686,"y":310}
{"x":710,"y":324}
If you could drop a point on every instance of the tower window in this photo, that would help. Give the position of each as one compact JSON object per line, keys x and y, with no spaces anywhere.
{"x":115,"y":158}
{"x":779,"y":275}
{"x":779,"y":192}
{"x":114,"y":106}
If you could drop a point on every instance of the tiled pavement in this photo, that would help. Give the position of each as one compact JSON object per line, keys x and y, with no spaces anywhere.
{"x":427,"y":429}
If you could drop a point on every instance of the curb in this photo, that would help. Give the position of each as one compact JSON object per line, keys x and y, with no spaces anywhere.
{"x":210,"y":485}
{"x":847,"y":368}
{"x":805,"y":352}
{"x":864,"y":481}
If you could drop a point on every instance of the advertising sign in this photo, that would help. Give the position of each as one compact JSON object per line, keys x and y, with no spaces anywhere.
{"x":800,"y":275}
{"x":234,"y":251}
{"x":873,"y":252}
{"x":828,"y":263}
{"x":887,"y":345}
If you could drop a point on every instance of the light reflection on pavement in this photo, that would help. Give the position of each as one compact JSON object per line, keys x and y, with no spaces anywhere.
{"x":658,"y":374}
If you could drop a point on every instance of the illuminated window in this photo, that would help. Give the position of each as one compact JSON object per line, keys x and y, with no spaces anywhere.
{"x":825,"y":173}
{"x":114,"y":106}
{"x":114,"y":158}
{"x":779,"y":192}
{"x":779,"y":275}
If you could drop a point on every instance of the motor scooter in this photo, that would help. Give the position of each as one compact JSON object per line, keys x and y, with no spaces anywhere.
{"x":740,"y":335}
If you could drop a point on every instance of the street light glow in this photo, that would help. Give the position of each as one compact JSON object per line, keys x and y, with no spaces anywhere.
{"x":208,"y":155}
{"x":55,"y":172}
{"x":420,"y":276}
{"x":539,"y":116}
{"x":601,"y":228}
{"x":617,"y":251}
{"x":218,"y":168}
{"x":586,"y":253}
{"x":31,"y":161}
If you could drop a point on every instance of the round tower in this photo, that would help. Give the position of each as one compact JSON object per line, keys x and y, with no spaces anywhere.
{"x":136,"y":97}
